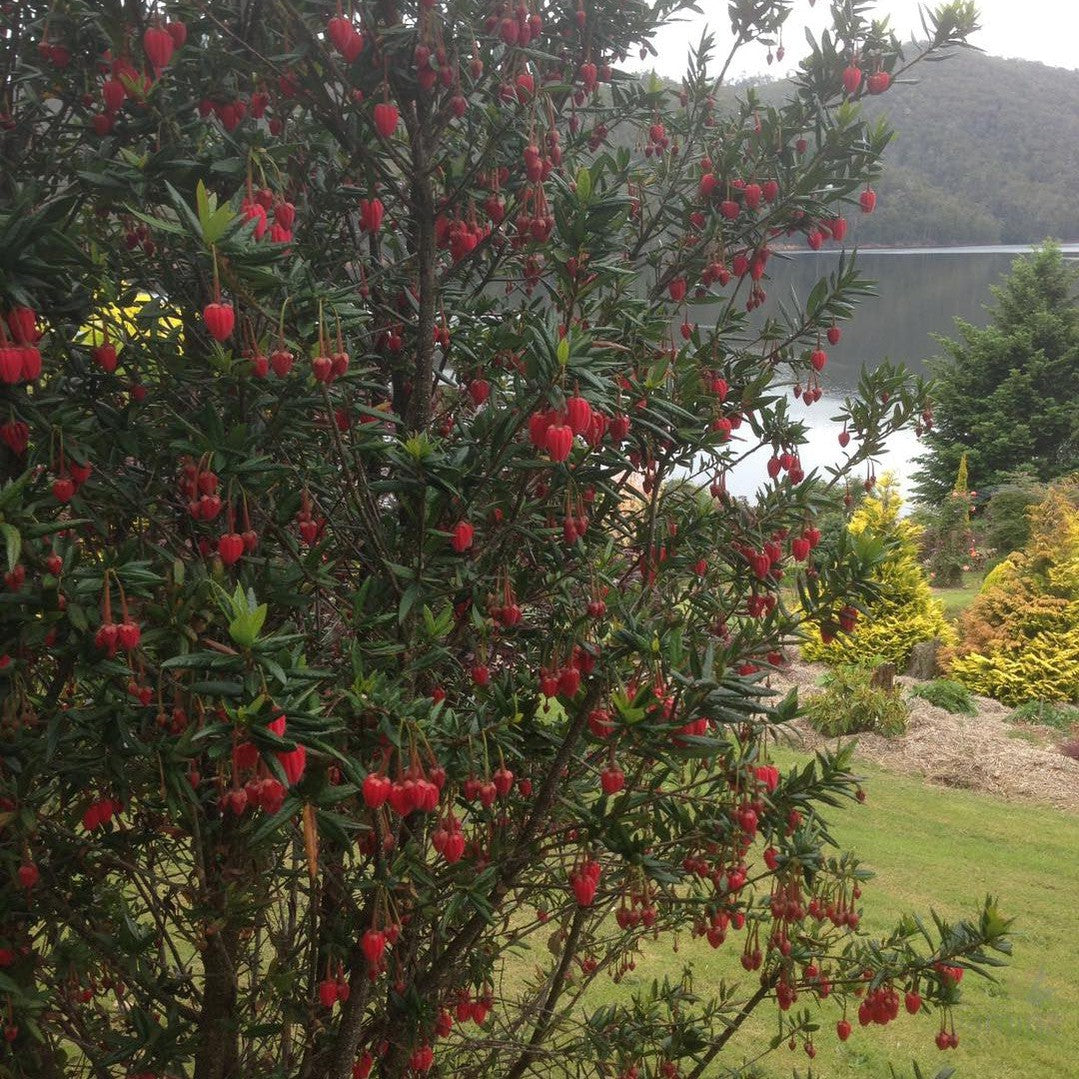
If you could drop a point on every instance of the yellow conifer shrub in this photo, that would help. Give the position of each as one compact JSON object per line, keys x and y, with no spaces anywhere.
{"x":143,"y":319}
{"x":1019,"y":639}
{"x":904,"y":612}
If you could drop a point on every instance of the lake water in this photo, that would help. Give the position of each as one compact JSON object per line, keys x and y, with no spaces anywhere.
{"x":922,"y":291}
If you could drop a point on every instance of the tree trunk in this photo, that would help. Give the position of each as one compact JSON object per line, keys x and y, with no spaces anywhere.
{"x":217,"y":1046}
{"x":217,"y":1053}
{"x":884,"y":678}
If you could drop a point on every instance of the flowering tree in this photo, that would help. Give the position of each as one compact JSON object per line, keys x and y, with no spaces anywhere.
{"x":355,"y":634}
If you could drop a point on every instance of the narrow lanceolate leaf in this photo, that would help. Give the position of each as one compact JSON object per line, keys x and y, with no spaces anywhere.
{"x":12,"y":544}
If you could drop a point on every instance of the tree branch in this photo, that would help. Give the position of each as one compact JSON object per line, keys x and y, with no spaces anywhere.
{"x":558,"y":982}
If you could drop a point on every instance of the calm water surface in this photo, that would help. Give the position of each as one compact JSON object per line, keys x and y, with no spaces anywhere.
{"x":922,"y":292}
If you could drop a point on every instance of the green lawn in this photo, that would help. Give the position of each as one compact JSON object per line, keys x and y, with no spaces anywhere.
{"x":942,"y":849}
{"x":956,"y":599}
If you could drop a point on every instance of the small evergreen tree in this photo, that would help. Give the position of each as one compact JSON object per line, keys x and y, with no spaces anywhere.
{"x":1007,"y":514}
{"x":1007,"y":393}
{"x":950,"y":539}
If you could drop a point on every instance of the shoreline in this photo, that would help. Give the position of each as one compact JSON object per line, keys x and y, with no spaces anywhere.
{"x":1069,"y":248}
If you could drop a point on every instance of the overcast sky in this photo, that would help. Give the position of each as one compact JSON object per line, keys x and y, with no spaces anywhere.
{"x":1044,"y":30}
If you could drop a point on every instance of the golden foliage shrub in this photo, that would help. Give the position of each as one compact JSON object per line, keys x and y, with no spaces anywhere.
{"x":1019,"y":639}
{"x":905,"y":612}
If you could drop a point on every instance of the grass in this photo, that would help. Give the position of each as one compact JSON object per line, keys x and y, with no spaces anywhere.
{"x":940,"y":849}
{"x":1027,"y":736}
{"x":1062,"y":717}
{"x":944,"y":693}
{"x":956,"y":600}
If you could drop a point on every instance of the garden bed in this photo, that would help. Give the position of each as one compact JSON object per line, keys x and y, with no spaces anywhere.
{"x":978,"y":752}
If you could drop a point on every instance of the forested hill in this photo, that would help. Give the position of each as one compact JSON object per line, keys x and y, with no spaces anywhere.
{"x":986,"y":151}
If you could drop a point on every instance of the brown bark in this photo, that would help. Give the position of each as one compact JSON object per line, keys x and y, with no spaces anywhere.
{"x":217,"y":1046}
{"x":217,"y":1051}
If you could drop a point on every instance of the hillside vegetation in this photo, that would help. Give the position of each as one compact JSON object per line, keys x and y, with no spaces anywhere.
{"x":984,"y":153}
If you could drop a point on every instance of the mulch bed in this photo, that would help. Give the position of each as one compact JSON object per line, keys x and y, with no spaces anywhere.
{"x":981,"y":753}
